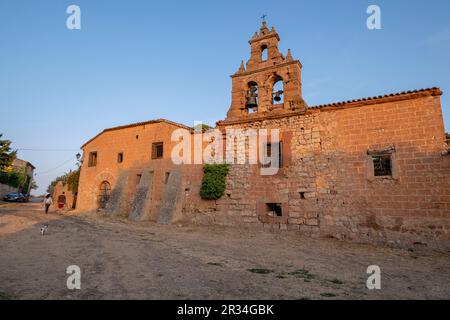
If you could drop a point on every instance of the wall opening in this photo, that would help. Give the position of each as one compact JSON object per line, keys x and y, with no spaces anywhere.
{"x":278,"y":91}
{"x":274,"y":209}
{"x":92,"y":159}
{"x":382,"y":165}
{"x":264,"y":53}
{"x":120,"y":157}
{"x":251,"y":103}
{"x":157,"y":150}
{"x":267,"y":163}
{"x":166,"y":177}
{"x":382,"y":162}
{"x":302,"y":195}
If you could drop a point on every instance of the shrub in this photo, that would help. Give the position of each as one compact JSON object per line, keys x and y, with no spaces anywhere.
{"x":213,"y":183}
{"x":73,"y":179}
{"x":14,"y":179}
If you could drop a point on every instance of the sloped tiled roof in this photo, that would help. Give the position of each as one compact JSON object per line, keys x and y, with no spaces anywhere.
{"x":137,"y":124}
{"x":432,"y":91}
{"x":350,"y":103}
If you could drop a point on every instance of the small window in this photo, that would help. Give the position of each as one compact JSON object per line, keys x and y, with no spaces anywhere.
{"x":269,"y":155}
{"x":138,"y":180}
{"x":166,"y":178}
{"x":120,"y":157}
{"x":92,"y":159}
{"x":157,"y":150}
{"x":274,"y":209}
{"x":382,"y":165}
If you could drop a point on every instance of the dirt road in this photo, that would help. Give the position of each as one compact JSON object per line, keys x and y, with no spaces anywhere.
{"x":123,"y":260}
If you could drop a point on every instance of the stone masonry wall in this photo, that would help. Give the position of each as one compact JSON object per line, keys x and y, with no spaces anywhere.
{"x":327,"y":185}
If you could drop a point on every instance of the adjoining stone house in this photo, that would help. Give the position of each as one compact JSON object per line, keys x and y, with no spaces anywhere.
{"x":124,"y":166}
{"x":28,"y":169}
{"x":373,"y":169}
{"x":21,"y":166}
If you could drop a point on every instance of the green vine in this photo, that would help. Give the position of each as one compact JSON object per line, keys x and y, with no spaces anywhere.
{"x":213,"y":182}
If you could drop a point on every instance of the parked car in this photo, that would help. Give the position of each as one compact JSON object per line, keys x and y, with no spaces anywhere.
{"x":15,"y":197}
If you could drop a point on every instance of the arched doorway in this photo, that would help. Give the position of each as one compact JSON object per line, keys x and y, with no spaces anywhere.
{"x":104,"y":194}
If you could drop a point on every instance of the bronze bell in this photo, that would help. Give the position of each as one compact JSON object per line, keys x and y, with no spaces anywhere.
{"x":252,"y":101}
{"x":277,"y":96}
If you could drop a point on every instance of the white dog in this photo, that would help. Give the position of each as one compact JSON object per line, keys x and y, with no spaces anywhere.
{"x":44,"y":229}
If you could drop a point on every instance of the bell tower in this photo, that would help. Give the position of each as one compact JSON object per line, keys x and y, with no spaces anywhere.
{"x":269,"y":83}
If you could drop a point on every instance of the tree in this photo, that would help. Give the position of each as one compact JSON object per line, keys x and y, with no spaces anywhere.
{"x":7,"y":156}
{"x":202,"y":127}
{"x":34,"y":185}
{"x":71,"y":179}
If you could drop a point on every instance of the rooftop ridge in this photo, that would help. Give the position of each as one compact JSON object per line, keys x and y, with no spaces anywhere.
{"x":434,"y":91}
{"x":137,"y":124}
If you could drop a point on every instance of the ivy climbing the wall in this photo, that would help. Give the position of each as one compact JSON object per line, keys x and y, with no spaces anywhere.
{"x":213,"y":183}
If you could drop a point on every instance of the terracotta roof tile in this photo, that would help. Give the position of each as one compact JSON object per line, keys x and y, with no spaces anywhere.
{"x":433,"y":91}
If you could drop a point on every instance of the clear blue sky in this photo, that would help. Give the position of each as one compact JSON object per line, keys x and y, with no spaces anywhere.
{"x":139,"y":60}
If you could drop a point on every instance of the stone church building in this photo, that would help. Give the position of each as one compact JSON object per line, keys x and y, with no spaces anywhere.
{"x":374,"y":169}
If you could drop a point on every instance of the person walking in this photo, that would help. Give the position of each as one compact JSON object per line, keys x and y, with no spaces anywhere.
{"x":47,"y":202}
{"x":62,"y":201}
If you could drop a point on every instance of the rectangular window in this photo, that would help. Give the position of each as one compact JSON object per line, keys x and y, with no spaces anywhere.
{"x":157,"y":150}
{"x":269,"y":155}
{"x":382,"y":165}
{"x":274,"y":209}
{"x":120,"y":157}
{"x":92,"y":159}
